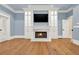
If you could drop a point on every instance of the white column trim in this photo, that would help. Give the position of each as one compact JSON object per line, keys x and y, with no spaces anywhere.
{"x":54,"y":26}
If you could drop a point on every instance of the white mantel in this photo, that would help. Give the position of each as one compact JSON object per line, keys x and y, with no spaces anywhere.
{"x":51,"y":27}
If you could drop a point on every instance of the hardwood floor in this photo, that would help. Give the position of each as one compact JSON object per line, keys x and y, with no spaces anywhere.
{"x":20,"y":46}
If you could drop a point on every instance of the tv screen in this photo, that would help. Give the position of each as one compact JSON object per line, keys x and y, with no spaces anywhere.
{"x":40,"y":17}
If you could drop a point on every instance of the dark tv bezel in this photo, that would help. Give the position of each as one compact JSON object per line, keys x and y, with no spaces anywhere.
{"x":39,"y":22}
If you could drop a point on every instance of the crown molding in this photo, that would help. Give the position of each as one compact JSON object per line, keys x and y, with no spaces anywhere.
{"x":61,"y":11}
{"x":24,"y":9}
{"x":6,"y":6}
{"x":65,"y":11}
{"x":19,"y":11}
{"x":11,"y":9}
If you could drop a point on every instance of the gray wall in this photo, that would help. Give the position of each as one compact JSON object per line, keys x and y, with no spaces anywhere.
{"x":75,"y":32}
{"x":12,"y":18}
{"x":19,"y":24}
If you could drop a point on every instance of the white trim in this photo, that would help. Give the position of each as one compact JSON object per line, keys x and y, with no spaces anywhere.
{"x":75,"y":41}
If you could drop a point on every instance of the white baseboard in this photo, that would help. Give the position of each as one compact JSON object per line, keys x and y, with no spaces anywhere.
{"x":75,"y":41}
{"x":60,"y":37}
{"x":18,"y":36}
{"x":12,"y":37}
{"x":2,"y":40}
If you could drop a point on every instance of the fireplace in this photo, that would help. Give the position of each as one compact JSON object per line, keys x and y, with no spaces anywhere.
{"x":40,"y":34}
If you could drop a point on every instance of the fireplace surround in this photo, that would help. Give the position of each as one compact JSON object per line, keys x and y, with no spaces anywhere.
{"x":42,"y":34}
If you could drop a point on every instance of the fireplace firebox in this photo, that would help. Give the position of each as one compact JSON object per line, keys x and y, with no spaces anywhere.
{"x":40,"y":34}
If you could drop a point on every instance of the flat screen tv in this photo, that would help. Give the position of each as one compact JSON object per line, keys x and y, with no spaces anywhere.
{"x":40,"y":17}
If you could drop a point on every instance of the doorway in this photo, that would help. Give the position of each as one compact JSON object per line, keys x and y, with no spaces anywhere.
{"x":67,"y":27}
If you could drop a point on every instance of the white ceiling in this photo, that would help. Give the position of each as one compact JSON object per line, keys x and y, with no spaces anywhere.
{"x":60,"y":6}
{"x":18,"y":8}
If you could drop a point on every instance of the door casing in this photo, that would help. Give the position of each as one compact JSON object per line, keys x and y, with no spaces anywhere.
{"x":67,"y":27}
